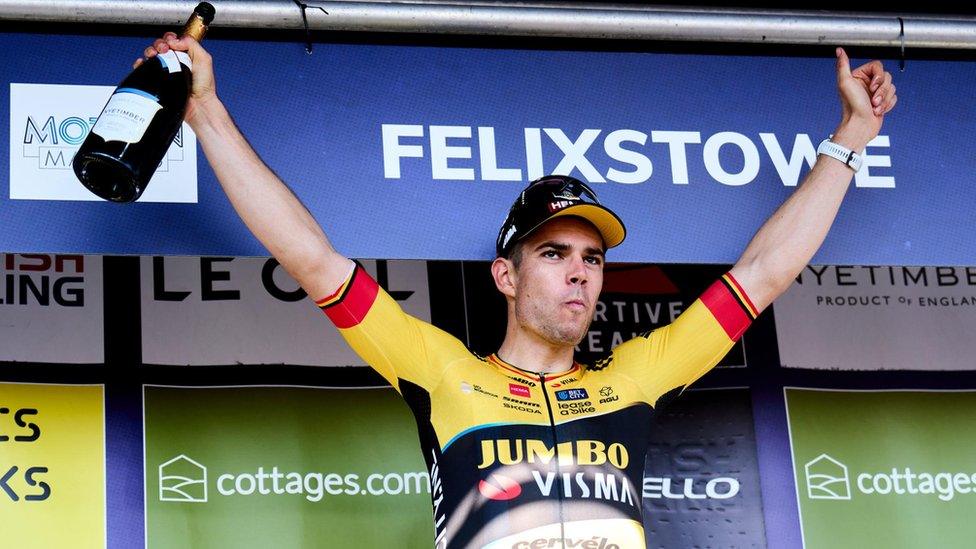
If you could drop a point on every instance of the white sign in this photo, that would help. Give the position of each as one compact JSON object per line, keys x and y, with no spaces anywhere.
{"x":48,"y":122}
{"x":51,"y":309}
{"x":213,"y":311}
{"x":879,"y":318}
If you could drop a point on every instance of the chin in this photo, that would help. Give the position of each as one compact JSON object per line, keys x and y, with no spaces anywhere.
{"x":572,"y":337}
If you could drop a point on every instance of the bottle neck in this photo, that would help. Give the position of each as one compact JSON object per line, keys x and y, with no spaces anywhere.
{"x":195,"y":27}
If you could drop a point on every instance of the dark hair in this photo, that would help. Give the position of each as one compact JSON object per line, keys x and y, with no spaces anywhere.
{"x":515,"y":254}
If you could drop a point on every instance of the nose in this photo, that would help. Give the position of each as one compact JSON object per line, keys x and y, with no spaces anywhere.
{"x":577,"y":271}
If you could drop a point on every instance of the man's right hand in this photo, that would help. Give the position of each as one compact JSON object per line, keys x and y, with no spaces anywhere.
{"x":204,"y":87}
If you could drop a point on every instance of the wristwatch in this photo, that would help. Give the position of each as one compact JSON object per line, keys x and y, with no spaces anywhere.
{"x":840,"y":152}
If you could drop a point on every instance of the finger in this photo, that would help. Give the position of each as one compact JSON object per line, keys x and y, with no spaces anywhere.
{"x":161,"y":45}
{"x":882,"y":93}
{"x":168,"y":35}
{"x":843,"y":63}
{"x":891,"y":105}
{"x":190,"y":45}
{"x":184,"y":43}
{"x":876,"y":71}
{"x":137,"y":62}
{"x":888,"y":98}
{"x":149,"y":52}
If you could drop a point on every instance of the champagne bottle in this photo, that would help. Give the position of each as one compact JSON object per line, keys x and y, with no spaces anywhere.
{"x":139,"y":122}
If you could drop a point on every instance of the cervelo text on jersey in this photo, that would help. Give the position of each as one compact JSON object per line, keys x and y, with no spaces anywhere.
{"x":560,"y":455}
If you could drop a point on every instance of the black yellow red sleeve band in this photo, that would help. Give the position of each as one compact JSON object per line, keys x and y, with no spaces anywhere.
{"x":349,"y":304}
{"x":730,"y":306}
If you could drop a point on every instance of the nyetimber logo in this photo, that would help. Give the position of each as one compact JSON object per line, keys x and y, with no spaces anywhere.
{"x":827,"y":479}
{"x":183,"y":479}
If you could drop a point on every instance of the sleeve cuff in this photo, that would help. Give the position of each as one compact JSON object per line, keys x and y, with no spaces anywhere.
{"x":351,"y":302}
{"x":730,"y":306}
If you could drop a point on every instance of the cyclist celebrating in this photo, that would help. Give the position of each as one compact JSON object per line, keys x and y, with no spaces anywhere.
{"x":527,"y":448}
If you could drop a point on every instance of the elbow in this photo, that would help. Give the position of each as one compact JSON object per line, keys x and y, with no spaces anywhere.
{"x":764,"y":280}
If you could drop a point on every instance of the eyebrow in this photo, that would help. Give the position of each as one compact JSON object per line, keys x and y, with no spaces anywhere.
{"x":562,"y":247}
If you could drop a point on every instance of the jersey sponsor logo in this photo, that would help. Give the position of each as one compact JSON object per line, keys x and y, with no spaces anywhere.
{"x":602,"y":486}
{"x":437,"y":497}
{"x":499,"y":488}
{"x":584,"y":543}
{"x":519,"y":390}
{"x":576,"y":407}
{"x":481,"y":390}
{"x":608,"y":396}
{"x":572,"y":394}
{"x":468,"y":388}
{"x":523,"y":381}
{"x":521,"y":405}
{"x":566,"y":381}
{"x":580,"y":452}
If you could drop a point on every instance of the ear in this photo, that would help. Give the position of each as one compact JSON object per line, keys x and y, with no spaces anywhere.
{"x":503,"y":271}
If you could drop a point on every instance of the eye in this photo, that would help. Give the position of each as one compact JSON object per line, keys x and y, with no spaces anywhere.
{"x":594,"y":260}
{"x":550,"y":254}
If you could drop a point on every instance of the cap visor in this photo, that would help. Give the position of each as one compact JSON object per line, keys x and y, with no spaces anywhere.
{"x":610,"y":226}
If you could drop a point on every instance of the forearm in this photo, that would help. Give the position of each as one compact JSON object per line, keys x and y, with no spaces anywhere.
{"x":266,"y":205}
{"x":792,"y":235}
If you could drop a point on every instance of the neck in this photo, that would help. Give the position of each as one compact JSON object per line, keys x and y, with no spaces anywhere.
{"x":534,"y":354}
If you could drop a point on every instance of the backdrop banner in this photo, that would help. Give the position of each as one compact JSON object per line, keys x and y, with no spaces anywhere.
{"x":418,"y":152}
{"x":203,"y":401}
{"x":883,"y":468}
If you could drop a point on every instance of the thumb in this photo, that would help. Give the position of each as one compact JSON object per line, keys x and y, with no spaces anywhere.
{"x":843,"y":64}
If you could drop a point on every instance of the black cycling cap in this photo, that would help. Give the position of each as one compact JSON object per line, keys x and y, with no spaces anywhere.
{"x":555,"y":196}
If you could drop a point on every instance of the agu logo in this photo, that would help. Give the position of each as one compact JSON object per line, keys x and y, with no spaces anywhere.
{"x":182,"y":479}
{"x":827,"y":478}
{"x":499,"y":488}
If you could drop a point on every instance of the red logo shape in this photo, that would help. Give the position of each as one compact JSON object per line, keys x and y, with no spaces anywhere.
{"x":499,"y":488}
{"x":519,"y":390}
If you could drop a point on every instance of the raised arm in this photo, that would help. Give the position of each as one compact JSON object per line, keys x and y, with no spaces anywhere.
{"x":787,"y":240}
{"x":268,"y":207}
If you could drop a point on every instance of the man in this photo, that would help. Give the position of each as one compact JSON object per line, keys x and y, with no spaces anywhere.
{"x":527,"y":448}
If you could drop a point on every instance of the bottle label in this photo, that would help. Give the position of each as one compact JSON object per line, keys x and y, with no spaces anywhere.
{"x":127,"y":115}
{"x":184,"y":58}
{"x":171,"y":60}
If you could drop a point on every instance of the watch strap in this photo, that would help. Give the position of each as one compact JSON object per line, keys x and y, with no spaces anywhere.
{"x":842,"y":153}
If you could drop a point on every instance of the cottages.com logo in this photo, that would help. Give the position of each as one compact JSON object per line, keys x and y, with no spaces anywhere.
{"x":182,"y":479}
{"x":828,"y":478}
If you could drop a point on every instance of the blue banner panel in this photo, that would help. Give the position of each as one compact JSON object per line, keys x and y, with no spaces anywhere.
{"x":417,"y":152}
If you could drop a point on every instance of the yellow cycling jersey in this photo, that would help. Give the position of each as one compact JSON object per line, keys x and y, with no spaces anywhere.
{"x":525,"y":460}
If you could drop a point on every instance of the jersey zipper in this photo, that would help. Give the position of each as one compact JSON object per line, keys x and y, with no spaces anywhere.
{"x":555,"y":444}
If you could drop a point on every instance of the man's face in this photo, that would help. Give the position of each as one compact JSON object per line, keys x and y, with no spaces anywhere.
{"x":559,"y":280}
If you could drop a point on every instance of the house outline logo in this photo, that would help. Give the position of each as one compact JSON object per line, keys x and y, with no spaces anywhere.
{"x":175,"y":483}
{"x":823,"y":475}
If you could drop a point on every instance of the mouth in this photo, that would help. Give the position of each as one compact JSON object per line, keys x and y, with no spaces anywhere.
{"x":576,"y":305}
